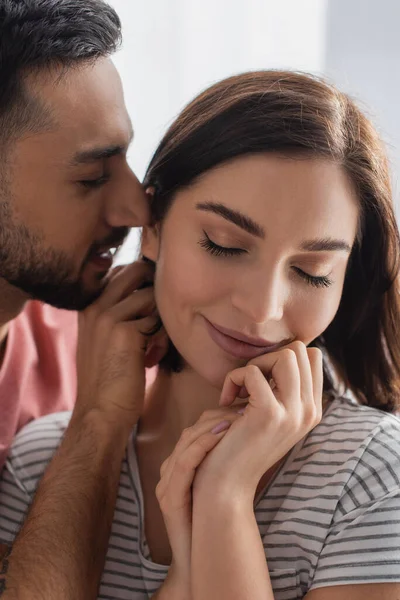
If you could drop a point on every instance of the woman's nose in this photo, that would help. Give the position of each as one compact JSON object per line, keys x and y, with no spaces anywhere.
{"x":261,"y":297}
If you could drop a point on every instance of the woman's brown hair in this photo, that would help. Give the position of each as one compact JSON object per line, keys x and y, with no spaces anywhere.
{"x":297,"y":114}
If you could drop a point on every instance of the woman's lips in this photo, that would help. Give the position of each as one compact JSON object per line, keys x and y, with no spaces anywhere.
{"x":237,"y":348}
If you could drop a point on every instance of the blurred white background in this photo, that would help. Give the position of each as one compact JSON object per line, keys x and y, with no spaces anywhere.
{"x":175,"y":48}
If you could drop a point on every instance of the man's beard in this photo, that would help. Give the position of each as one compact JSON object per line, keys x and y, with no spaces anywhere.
{"x":42,"y":273}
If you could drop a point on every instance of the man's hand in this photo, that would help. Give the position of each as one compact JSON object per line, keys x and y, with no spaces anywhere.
{"x":112,"y":346}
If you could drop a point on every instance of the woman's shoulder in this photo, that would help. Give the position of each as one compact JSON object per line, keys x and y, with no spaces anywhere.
{"x":347,"y":424}
{"x":354,"y":450}
{"x":345,"y":474}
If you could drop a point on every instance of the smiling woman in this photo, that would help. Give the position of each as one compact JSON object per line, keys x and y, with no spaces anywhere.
{"x":306,"y":148}
{"x":250,"y":475}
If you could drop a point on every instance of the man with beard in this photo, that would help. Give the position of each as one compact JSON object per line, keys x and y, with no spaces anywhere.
{"x":67,"y":201}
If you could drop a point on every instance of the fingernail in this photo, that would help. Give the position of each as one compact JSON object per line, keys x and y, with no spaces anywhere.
{"x":241,"y":411}
{"x":221,"y":427}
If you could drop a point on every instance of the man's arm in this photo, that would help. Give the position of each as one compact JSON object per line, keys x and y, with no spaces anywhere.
{"x":60,"y":550}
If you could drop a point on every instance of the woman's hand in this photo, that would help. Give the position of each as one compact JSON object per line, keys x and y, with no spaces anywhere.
{"x":113,"y":349}
{"x":284,"y":403}
{"x":174,"y":490}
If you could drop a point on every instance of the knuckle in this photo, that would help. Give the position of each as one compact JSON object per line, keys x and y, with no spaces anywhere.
{"x":252,"y":370}
{"x":159,"y":491}
{"x":289,"y":354}
{"x":163,"y":467}
{"x":315,"y":355}
{"x":309,"y":414}
{"x":186,"y":433}
{"x":297,"y":346}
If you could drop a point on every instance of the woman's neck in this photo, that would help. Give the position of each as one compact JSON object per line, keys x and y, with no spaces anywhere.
{"x":173,"y":402}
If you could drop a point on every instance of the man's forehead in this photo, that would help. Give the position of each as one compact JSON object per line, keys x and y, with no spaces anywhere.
{"x":83,"y":95}
{"x":88,"y":111}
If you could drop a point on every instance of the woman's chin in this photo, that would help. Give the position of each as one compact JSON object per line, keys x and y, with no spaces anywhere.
{"x":214,"y":374}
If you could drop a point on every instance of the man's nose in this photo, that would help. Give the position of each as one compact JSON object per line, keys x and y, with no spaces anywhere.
{"x":127,"y":204}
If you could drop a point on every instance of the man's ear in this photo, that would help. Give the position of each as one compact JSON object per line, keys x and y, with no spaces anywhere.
{"x":150,"y":243}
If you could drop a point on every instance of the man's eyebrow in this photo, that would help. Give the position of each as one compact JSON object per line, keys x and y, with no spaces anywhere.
{"x":325,"y":245}
{"x":234,"y":216}
{"x":100,"y":153}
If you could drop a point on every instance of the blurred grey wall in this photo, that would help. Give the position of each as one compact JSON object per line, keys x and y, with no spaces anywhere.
{"x":363,"y":58}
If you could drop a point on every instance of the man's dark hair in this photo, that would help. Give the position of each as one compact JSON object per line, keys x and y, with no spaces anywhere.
{"x":36,"y":35}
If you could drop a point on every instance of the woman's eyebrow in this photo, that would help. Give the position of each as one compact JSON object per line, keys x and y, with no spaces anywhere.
{"x":325,"y":245}
{"x":234,"y":216}
{"x":247,"y":224}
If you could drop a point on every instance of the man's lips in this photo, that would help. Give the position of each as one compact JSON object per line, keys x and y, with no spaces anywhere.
{"x":238,"y":345}
{"x":103,"y":257}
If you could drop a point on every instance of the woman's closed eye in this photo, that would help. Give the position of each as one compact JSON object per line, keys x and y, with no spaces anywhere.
{"x":321,"y":281}
{"x":217,"y":250}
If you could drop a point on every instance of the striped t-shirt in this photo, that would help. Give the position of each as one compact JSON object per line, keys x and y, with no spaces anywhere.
{"x":330,"y":516}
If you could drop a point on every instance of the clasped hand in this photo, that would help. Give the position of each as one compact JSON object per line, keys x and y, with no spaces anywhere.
{"x":283,"y":403}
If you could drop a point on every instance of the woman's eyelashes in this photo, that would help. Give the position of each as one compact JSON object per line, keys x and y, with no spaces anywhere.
{"x":319,"y":282}
{"x":223,"y":251}
{"x":217,"y":250}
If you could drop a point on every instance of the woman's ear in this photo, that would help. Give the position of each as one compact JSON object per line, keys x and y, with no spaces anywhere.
{"x":150,"y":242}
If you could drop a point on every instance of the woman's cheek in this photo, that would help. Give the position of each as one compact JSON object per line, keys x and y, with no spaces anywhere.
{"x":182,"y":280}
{"x":309,"y":319}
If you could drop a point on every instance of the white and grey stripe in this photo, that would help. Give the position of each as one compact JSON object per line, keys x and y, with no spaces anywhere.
{"x":331,"y":516}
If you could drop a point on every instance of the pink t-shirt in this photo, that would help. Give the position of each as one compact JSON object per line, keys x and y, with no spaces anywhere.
{"x":38,"y":374}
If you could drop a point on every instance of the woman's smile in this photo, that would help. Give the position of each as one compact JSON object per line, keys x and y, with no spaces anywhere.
{"x":238,"y":347}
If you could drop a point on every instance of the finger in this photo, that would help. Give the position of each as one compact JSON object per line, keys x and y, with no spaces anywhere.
{"x":116,"y":270}
{"x":123,"y":283}
{"x":202,"y":426}
{"x":233,"y":386}
{"x":250,"y":377}
{"x":164,"y":467}
{"x":135,"y":306}
{"x":285,"y":373}
{"x":178,"y":471}
{"x":282,"y":370}
{"x":317,"y":373}
{"x":191,"y":434}
{"x":303,"y":362}
{"x":184,"y":468}
{"x":131,"y":337}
